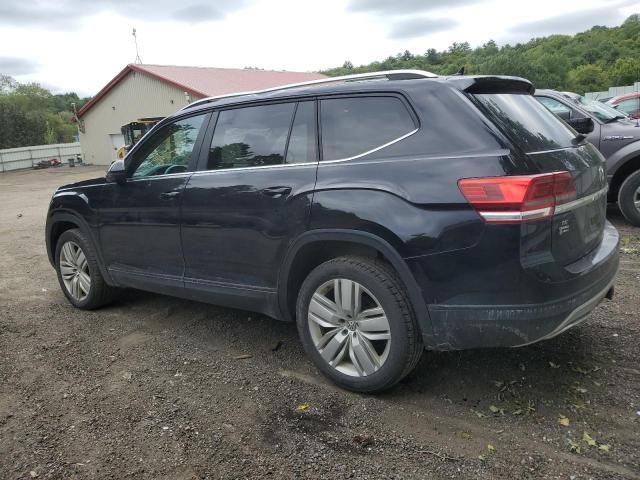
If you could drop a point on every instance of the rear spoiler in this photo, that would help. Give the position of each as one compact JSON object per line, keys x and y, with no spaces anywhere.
{"x":492,"y":84}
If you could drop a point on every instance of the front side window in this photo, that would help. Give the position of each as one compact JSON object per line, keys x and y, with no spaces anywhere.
{"x":169,"y":150}
{"x":353,"y":126}
{"x":554,"y":105}
{"x":600,"y":110}
{"x":250,"y":136}
{"x":629,"y":106}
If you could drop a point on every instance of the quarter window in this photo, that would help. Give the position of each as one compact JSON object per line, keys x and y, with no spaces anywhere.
{"x":353,"y":126}
{"x":302,"y":142}
{"x":169,"y":150}
{"x":250,"y":137}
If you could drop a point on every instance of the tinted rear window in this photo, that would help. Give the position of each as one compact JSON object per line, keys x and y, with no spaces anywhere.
{"x":353,"y":126}
{"x":250,"y":137}
{"x":527,"y":123}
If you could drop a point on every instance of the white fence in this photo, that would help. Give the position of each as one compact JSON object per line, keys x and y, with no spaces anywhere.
{"x":27,"y":157}
{"x":614,"y":91}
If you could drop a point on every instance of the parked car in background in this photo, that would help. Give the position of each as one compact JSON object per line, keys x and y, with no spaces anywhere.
{"x":383,"y":212}
{"x":614,"y":134}
{"x":628,"y":104}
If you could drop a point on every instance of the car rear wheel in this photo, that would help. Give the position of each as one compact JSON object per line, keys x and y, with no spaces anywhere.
{"x":629,"y":198}
{"x":78,"y":272}
{"x":356,"y":324}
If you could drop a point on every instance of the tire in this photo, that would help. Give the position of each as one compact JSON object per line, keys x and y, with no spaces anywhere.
{"x":629,"y":198}
{"x":98,"y":293}
{"x":346,"y":358}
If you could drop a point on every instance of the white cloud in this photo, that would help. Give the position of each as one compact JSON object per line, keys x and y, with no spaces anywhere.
{"x":84,"y":52}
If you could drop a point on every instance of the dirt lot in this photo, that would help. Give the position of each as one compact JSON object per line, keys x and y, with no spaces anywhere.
{"x":152,"y":387}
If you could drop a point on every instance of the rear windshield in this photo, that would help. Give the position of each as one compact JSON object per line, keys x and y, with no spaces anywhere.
{"x":526,"y":122}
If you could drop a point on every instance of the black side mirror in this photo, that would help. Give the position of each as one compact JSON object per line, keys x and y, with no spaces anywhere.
{"x":117,"y":172}
{"x":564,"y":115}
{"x":581,"y":125}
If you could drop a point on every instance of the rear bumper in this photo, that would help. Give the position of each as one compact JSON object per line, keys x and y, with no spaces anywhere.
{"x":459,"y":326}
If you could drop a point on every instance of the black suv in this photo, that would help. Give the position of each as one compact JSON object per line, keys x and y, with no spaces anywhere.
{"x":384,"y":213}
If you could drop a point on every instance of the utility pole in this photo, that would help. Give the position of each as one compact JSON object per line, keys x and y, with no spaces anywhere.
{"x":75,"y":114}
{"x":135,"y":41}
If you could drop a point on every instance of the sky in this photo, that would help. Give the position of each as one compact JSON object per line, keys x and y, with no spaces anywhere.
{"x":79,"y":45}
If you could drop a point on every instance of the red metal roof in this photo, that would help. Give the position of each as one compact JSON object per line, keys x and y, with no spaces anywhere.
{"x":205,"y":81}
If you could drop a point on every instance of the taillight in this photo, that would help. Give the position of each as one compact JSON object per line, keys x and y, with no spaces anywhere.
{"x":518,"y":198}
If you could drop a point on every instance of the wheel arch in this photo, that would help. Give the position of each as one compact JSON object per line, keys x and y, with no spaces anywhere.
{"x":317,"y":246}
{"x":622,"y":168}
{"x":62,"y":221}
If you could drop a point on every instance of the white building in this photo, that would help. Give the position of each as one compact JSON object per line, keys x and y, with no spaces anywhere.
{"x":141,"y":91}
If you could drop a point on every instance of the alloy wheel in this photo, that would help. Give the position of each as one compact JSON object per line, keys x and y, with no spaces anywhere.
{"x":636,"y":199}
{"x":74,"y":270}
{"x":349,"y":327}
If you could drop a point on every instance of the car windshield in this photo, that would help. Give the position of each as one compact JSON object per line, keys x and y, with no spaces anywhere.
{"x":600,"y":110}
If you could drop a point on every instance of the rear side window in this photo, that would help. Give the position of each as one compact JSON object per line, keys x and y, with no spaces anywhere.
{"x":251,"y":136}
{"x":353,"y":126}
{"x":526,"y":122}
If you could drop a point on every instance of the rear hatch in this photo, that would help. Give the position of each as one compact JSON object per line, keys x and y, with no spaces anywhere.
{"x":546,"y":144}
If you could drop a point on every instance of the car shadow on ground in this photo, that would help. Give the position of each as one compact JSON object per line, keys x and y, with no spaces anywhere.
{"x":537,"y":372}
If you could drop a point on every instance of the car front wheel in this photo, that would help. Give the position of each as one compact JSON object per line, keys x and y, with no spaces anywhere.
{"x":78,"y":272}
{"x":356,"y":324}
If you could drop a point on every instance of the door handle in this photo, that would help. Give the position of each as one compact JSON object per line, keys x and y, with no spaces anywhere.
{"x":169,"y":195}
{"x":276,"y":191}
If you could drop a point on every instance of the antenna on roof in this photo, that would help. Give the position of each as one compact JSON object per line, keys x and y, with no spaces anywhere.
{"x":135,"y":41}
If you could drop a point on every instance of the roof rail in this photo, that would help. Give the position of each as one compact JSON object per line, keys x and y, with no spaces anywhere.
{"x":357,"y":77}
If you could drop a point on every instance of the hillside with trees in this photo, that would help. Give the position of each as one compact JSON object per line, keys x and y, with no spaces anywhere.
{"x":588,"y":61}
{"x":32,"y":115}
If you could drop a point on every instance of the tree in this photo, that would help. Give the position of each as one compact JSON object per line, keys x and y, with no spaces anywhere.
{"x":31,"y":115}
{"x":588,"y":61}
{"x":626,"y":71}
{"x":433,"y":57}
{"x":407,"y":55}
{"x":587,"y":78}
{"x":19,"y":128}
{"x":7,"y":84}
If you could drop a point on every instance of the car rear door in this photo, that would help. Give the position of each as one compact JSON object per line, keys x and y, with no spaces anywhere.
{"x":140,"y":219}
{"x":251,"y":195}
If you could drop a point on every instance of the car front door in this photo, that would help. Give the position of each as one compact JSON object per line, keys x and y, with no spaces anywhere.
{"x":251,"y":195}
{"x":140,"y":218}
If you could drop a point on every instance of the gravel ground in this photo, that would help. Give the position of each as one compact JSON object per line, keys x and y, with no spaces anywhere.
{"x":160,"y":388}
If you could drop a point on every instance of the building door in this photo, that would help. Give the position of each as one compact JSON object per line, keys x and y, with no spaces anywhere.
{"x":117,"y":141}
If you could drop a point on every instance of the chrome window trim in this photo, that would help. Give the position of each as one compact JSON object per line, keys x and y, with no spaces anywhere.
{"x":260,"y":167}
{"x":151,"y":177}
{"x":406,"y":135}
{"x":321,"y":163}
